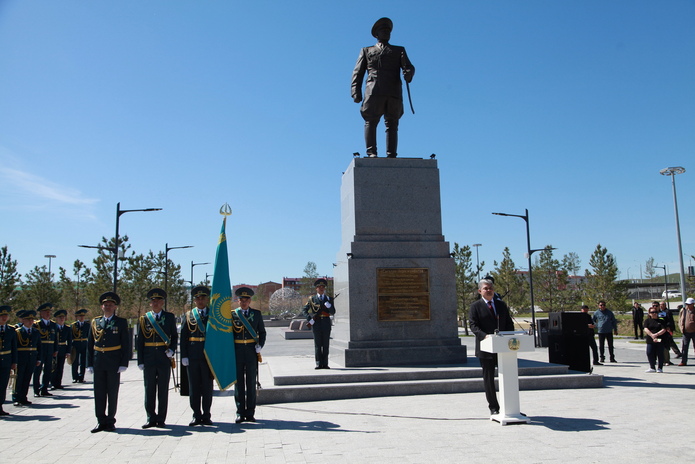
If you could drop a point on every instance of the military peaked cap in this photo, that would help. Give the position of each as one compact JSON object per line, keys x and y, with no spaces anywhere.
{"x":381,"y":23}
{"x":156,"y":294}
{"x":45,"y":306}
{"x":244,"y":292}
{"x":110,"y":296}
{"x":60,"y":312}
{"x":5,"y":310}
{"x":81,"y":312}
{"x":200,"y":290}
{"x":27,"y":313}
{"x":320,"y":282}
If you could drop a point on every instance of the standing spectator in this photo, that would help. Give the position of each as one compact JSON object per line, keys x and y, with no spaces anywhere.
{"x":686,"y":322}
{"x":8,"y":354}
{"x":668,"y":343}
{"x":607,"y":325}
{"x":80,"y":333}
{"x":157,"y":340}
{"x":655,"y":329}
{"x":64,"y":337}
{"x":638,"y":319}
{"x":590,"y":335}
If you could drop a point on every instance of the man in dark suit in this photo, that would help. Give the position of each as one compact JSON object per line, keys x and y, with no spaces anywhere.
{"x":80,"y":333}
{"x":157,"y":341}
{"x":200,"y":379}
{"x":318,"y":312}
{"x":64,"y":339}
{"x":486,"y":316}
{"x":28,"y":350}
{"x":249,"y":338}
{"x":383,"y":91}
{"x":49,"y":350}
{"x":108,"y":350}
{"x":8,"y":354}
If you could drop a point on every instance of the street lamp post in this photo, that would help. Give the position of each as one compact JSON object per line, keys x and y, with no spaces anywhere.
{"x":49,"y":265}
{"x":207,"y":277}
{"x":665,"y":283}
{"x":530,"y":272}
{"x":192,"y":284}
{"x":672,"y":171}
{"x":120,"y":212}
{"x":166,"y":268}
{"x":477,"y":259}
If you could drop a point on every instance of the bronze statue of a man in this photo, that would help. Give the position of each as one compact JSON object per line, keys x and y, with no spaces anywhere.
{"x":384,"y":90}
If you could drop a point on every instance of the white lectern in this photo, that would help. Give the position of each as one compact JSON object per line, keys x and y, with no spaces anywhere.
{"x":507,"y":345}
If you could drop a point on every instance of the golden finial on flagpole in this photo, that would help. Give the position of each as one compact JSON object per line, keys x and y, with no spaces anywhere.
{"x":226,"y":210}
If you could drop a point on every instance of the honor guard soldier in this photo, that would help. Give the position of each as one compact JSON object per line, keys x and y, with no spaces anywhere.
{"x":49,"y":350}
{"x":200,"y":379}
{"x":64,"y":336}
{"x":249,"y":338}
{"x":8,"y":354}
{"x":28,"y":349}
{"x":156,"y":343}
{"x":318,"y":312}
{"x":108,"y":350}
{"x":80,"y":333}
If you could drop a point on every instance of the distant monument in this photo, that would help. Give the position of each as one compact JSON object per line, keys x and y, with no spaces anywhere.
{"x":383,"y":94}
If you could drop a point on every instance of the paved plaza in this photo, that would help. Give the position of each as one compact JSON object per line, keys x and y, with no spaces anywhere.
{"x":635,"y":417}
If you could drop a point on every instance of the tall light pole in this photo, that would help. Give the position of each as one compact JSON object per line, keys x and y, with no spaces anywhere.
{"x":530,"y":272}
{"x":166,"y":268}
{"x":120,"y":212}
{"x":665,"y":283}
{"x":49,"y":265}
{"x":477,"y":259}
{"x":672,"y":171}
{"x":192,"y":284}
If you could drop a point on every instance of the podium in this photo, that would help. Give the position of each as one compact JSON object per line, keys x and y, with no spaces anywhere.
{"x":506,"y":345}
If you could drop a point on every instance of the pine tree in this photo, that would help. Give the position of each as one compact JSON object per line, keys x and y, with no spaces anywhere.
{"x":466,"y":285}
{"x":511,"y":286}
{"x":602,"y":281}
{"x":9,"y":277}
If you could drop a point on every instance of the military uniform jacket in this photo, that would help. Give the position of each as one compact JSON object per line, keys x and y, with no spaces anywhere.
{"x":108,"y":346}
{"x":316,"y":307}
{"x":255,"y":320}
{"x":383,"y":65}
{"x":80,"y":334}
{"x":49,"y":336}
{"x":193,"y":336}
{"x":151,"y":347}
{"x":483,"y":322}
{"x":29,"y":346}
{"x":64,"y":338}
{"x":8,"y":347}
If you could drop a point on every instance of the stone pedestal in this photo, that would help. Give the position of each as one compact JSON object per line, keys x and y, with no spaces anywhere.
{"x":391,"y":220}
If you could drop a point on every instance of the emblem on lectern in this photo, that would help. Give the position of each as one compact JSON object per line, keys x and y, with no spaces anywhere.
{"x":514,"y":344}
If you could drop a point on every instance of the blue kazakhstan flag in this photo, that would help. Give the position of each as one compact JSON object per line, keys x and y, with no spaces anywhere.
{"x":219,"y":339}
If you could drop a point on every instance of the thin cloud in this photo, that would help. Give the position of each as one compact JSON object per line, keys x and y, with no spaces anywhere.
{"x":36,"y":186}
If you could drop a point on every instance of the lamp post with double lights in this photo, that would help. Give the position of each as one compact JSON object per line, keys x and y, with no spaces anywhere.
{"x":119,"y":213}
{"x":192,"y":284}
{"x":665,"y":284}
{"x":166,"y":268}
{"x":530,"y":272}
{"x":672,"y":171}
{"x":477,"y":259}
{"x":50,"y":257}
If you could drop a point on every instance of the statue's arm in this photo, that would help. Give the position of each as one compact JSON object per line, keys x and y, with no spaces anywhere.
{"x":358,"y":76}
{"x":407,"y":66}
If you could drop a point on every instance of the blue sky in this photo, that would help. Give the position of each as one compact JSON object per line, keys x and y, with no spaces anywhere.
{"x":567,"y":108}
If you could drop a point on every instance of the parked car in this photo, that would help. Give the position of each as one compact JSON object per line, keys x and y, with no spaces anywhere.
{"x":671,"y":294}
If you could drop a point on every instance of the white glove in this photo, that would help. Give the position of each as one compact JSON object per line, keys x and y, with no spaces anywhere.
{"x":311,"y":322}
{"x":327,"y":305}
{"x":141,"y":367}
{"x":184,"y":361}
{"x":90,"y":370}
{"x":169,"y":353}
{"x":258,"y":348}
{"x":121,"y":369}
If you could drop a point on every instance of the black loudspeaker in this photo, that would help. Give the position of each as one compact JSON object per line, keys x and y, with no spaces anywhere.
{"x":568,"y":341}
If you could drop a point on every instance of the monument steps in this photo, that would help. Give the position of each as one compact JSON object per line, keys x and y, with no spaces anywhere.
{"x":369,"y":383}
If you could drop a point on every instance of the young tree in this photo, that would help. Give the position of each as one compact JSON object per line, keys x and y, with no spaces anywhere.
{"x":549,"y":281}
{"x":310,"y":276}
{"x":649,"y":269}
{"x":38,"y":288}
{"x":103,"y":268}
{"x":466,"y":285}
{"x":9,"y":277}
{"x":73,"y":291}
{"x":571,"y":263}
{"x":602,"y":281}
{"x":511,"y":286}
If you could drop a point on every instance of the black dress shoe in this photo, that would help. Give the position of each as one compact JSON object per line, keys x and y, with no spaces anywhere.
{"x":250,"y":419}
{"x":195,"y":422}
{"x":596,"y":363}
{"x":613,"y":360}
{"x":109,"y":428}
{"x":239,"y":419}
{"x":46,"y":393}
{"x":206,"y":422}
{"x":494,"y":411}
{"x":17,"y":403}
{"x":161,"y":424}
{"x":37,"y":395}
{"x":149,"y":425}
{"x":26,"y":403}
{"x":4,"y":413}
{"x":98,"y":428}
{"x":317,"y":367}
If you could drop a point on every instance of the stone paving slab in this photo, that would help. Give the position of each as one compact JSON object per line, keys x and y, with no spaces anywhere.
{"x":611,"y":424}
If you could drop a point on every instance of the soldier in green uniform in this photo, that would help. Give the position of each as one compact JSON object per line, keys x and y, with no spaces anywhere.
{"x":80,"y":333}
{"x":8,"y":354}
{"x":28,"y":349}
{"x":108,"y":350}
{"x":318,"y":311}
{"x":49,"y":350}
{"x":249,"y":338}
{"x":64,"y":336}
{"x":200,"y":379}
{"x":156,"y":343}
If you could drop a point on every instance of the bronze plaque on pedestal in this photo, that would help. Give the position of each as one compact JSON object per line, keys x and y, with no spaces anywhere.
{"x":403,"y":294}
